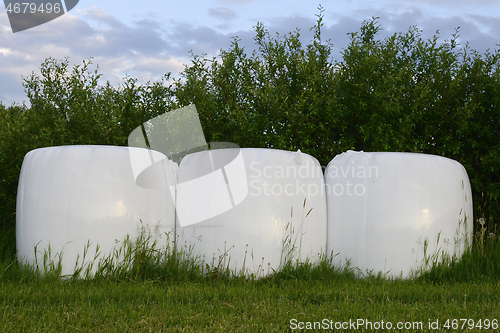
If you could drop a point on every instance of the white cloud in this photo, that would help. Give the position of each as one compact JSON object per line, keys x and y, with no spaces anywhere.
{"x":5,"y":51}
{"x":117,"y":48}
{"x":151,"y":46}
{"x":235,"y":2}
{"x":100,"y":16}
{"x":222,"y":13}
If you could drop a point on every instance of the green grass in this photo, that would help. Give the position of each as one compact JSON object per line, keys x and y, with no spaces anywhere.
{"x":157,"y":290}
{"x":221,"y":306}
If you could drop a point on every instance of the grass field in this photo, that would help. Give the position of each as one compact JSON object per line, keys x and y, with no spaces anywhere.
{"x":266,"y":306}
{"x":172,"y":296}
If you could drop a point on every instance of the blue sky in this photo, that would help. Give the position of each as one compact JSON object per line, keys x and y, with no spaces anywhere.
{"x":146,"y":39}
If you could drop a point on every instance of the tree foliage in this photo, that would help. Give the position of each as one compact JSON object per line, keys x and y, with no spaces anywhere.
{"x":400,"y":93}
{"x":280,"y":96}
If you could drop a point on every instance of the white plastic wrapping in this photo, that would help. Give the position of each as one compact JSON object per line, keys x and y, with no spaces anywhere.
{"x":387,"y":212}
{"x":247,"y":210}
{"x":258,"y":219}
{"x":71,"y":195}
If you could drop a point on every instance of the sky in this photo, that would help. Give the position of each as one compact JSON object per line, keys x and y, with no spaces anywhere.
{"x":147,"y":39}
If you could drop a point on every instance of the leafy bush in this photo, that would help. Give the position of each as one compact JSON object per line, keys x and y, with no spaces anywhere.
{"x":401,"y":93}
{"x":281,"y":96}
{"x":68,"y":107}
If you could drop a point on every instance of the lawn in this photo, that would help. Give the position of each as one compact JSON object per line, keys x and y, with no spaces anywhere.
{"x":169,"y":292}
{"x":274,"y":305}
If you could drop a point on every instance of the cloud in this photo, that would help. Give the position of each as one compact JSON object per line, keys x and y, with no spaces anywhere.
{"x":488,"y":24}
{"x":235,"y":2}
{"x":149,"y":47}
{"x":481,"y":32}
{"x":100,"y":16}
{"x":453,"y":3}
{"x":222,"y":13}
{"x":8,"y":94}
{"x":146,"y":49}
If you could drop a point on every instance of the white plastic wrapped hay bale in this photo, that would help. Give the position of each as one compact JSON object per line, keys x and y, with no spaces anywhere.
{"x":389,"y":212}
{"x":250,"y":210}
{"x":71,"y":196}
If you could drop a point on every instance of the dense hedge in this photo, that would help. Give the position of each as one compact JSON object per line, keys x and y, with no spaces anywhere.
{"x":401,"y":93}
